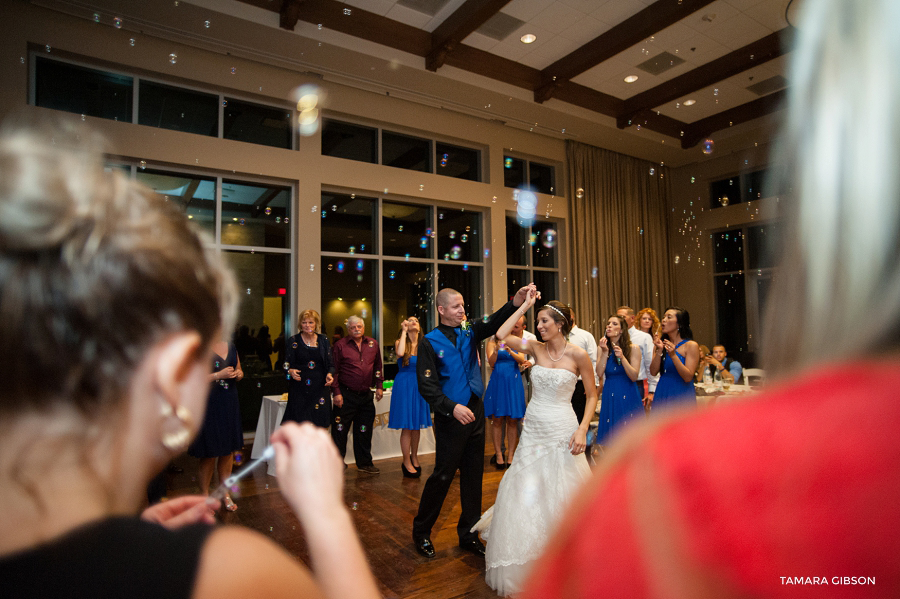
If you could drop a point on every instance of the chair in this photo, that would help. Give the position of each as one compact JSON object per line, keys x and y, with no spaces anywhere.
{"x":756,"y":373}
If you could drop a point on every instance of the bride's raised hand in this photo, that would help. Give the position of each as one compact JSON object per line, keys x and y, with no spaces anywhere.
{"x":578,"y":441}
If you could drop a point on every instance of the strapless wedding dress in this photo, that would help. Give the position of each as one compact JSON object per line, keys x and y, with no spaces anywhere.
{"x":540,"y":483}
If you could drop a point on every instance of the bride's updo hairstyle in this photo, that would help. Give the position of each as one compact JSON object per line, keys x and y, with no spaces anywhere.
{"x":94,"y":270}
{"x":561,"y":315}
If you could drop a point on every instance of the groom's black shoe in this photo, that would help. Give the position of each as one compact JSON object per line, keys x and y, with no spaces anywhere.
{"x":473,"y":546}
{"x":424,"y":547}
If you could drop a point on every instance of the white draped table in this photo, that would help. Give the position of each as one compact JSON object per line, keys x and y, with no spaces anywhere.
{"x":385,"y":441}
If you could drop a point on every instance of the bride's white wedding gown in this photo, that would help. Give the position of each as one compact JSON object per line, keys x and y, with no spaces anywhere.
{"x":540,"y":483}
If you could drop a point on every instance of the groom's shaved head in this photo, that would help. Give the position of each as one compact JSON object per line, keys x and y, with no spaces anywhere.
{"x":444,"y":296}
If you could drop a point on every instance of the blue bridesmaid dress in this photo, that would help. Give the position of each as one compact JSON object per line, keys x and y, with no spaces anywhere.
{"x":409,"y":410}
{"x":672,"y":389}
{"x":505,"y":395}
{"x":620,"y":402}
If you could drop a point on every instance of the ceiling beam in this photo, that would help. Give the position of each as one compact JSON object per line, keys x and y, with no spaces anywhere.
{"x":764,"y":106}
{"x":289,"y":11}
{"x":455,"y":28}
{"x":761,"y":51}
{"x":626,"y":34}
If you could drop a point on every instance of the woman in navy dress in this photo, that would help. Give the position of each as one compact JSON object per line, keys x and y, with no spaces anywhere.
{"x":221,"y":434}
{"x":618,"y":365}
{"x":409,"y":411}
{"x":504,"y":398}
{"x":308,"y":359}
{"x":675,"y":359}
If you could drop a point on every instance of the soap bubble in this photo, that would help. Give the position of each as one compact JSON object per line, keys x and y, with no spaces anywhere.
{"x":532,"y":239}
{"x":340,"y":427}
{"x":724,"y":200}
{"x":143,"y":164}
{"x":464,"y":238}
{"x":352,"y":249}
{"x":278,"y":219}
{"x":131,"y":42}
{"x":652,"y":171}
{"x":708,"y":146}
{"x":117,"y":22}
{"x":594,"y":272}
{"x":206,"y":24}
{"x":96,"y":18}
{"x":579,"y":193}
{"x":362,"y":428}
{"x":548,"y":238}
{"x":360,"y":265}
{"x":268,"y":210}
{"x":340,"y":266}
{"x":452,"y":234}
{"x":423,"y":242}
{"x":427,"y":374}
{"x":441,"y":354}
{"x":392,"y":275}
{"x":455,"y":252}
{"x":354,"y":506}
{"x":677,"y":258}
{"x":173,"y":58}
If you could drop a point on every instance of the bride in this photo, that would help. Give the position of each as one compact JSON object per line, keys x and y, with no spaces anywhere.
{"x":547,"y":471}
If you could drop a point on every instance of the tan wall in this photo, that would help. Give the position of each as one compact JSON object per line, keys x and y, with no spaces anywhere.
{"x":305,"y":168}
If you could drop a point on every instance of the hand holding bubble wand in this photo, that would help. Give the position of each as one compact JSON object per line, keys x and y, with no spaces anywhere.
{"x":222,"y":490}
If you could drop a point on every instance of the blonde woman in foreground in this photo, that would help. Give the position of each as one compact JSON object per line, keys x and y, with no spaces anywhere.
{"x":110,"y":306}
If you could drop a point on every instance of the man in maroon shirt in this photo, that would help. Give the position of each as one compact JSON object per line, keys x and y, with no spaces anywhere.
{"x":357,"y":360}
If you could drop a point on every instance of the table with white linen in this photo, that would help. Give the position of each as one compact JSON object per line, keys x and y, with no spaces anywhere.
{"x":385,"y":441}
{"x":716,"y":394}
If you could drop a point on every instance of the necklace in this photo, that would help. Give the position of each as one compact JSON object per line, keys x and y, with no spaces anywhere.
{"x":560,"y":355}
{"x":308,"y":344}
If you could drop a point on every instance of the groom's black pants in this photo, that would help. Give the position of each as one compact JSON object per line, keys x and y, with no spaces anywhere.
{"x":457,"y":446}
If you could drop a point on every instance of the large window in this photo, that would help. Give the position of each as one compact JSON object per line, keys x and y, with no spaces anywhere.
{"x":63,"y":85}
{"x":532,"y":255}
{"x":91,"y":92}
{"x":527,"y":174}
{"x":400,"y":150}
{"x":737,"y":189}
{"x":387,"y":278}
{"x":743,"y":267}
{"x":253,"y":229}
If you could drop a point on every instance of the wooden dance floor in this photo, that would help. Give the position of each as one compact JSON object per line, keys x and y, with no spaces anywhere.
{"x":384,"y":508}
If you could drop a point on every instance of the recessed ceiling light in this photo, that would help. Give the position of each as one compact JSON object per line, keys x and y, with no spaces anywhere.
{"x":631,"y":79}
{"x":690,"y":102}
{"x":528,"y":38}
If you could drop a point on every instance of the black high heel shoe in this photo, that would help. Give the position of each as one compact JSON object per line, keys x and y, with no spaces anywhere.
{"x":408,"y":474}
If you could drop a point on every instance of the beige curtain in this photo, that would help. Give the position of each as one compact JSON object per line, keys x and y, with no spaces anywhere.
{"x":619,"y":240}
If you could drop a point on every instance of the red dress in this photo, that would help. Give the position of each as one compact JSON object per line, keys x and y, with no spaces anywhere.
{"x":795,"y":493}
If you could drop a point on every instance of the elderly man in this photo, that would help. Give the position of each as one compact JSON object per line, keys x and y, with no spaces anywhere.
{"x":645,"y":342}
{"x":450,"y":381}
{"x":357,"y":362}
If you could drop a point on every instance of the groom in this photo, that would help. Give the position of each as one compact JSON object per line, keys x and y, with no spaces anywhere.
{"x":450,"y":380}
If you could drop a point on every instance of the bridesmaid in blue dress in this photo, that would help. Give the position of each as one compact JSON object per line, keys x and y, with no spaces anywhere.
{"x":675,"y":359}
{"x":221,"y":434}
{"x":409,"y":411}
{"x":504,"y":398}
{"x":618,"y":365}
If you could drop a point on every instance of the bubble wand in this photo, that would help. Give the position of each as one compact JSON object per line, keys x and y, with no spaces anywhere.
{"x":232,"y":480}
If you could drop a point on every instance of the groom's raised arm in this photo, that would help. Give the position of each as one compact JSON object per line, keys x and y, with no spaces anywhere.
{"x":430,"y":386}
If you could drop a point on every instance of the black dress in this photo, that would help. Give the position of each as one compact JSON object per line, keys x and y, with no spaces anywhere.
{"x":112,"y":558}
{"x":309,"y":399}
{"x":221,"y":432}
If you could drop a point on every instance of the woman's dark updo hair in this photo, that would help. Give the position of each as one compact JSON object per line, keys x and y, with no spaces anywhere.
{"x":562,"y":317}
{"x":683,"y":318}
